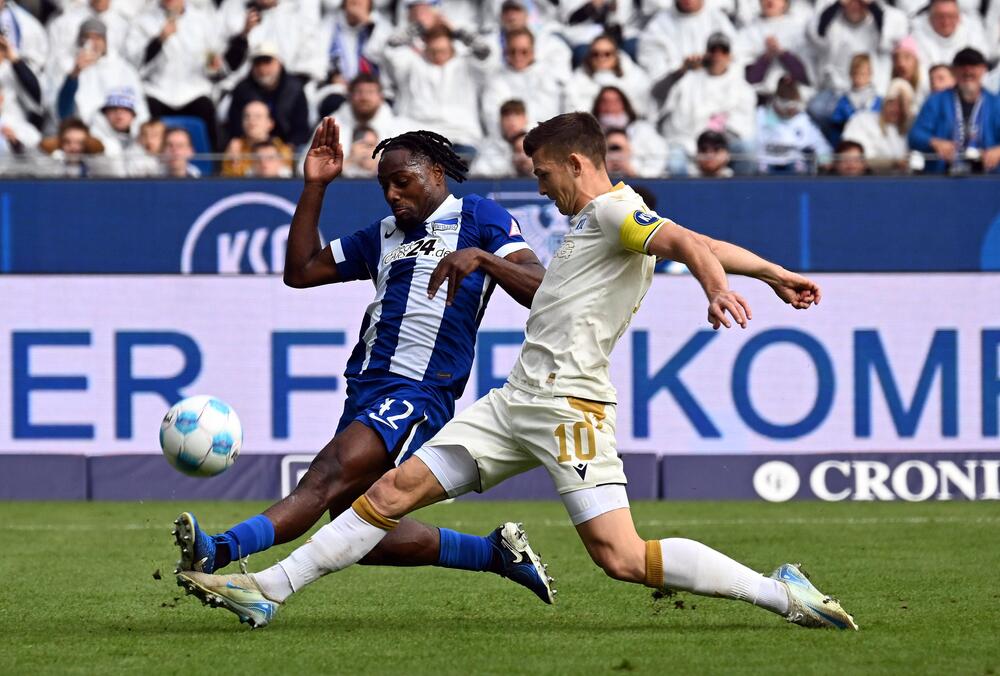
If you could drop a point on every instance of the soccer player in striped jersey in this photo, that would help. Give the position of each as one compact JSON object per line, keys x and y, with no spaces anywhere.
{"x":434,"y":263}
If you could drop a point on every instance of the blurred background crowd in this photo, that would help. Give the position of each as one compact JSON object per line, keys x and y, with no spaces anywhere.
{"x":714,"y":88}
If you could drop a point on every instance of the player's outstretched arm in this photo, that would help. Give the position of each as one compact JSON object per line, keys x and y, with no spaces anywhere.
{"x":519,"y":274}
{"x":791,"y":287}
{"x":680,"y":244}
{"x":307,"y":261}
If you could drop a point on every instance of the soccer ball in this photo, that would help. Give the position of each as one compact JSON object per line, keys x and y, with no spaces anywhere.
{"x":201,"y":436}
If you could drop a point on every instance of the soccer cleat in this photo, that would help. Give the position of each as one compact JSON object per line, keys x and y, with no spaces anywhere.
{"x":808,"y":606}
{"x":519,"y":563}
{"x":196,"y":547}
{"x":239,"y":594}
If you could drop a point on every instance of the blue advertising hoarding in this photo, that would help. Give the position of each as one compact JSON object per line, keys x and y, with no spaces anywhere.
{"x":210,"y":226}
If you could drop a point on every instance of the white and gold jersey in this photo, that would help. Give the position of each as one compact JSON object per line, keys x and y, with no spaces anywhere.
{"x":593,"y":286}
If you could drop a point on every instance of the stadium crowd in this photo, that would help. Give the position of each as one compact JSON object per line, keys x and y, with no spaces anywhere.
{"x":714,"y":88}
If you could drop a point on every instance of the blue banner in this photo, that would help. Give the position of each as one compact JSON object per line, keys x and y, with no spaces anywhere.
{"x":217,"y":226}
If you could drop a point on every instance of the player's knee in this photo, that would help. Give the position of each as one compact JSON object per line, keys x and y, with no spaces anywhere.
{"x":390,"y":495}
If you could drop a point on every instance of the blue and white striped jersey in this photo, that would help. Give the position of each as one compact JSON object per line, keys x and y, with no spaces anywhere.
{"x":404,"y":332}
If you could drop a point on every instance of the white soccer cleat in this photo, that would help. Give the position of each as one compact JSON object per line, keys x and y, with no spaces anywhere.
{"x":239,"y":594}
{"x":808,"y":606}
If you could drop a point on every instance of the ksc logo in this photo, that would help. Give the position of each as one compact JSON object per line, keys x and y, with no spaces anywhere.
{"x":242,"y":233}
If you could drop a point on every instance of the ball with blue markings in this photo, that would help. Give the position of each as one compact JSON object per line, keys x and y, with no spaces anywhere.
{"x":201,"y":436}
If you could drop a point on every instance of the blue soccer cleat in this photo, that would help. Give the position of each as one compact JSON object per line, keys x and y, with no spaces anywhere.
{"x":196,"y":547}
{"x":808,"y":606}
{"x":519,"y":563}
{"x":239,"y":594}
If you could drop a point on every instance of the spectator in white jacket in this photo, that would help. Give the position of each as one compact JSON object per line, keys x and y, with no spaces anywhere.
{"x":943,"y":30}
{"x":439,"y":89}
{"x":844,"y":28}
{"x":496,"y":152}
{"x":535,"y":81}
{"x":607,"y":66}
{"x":883,"y":134}
{"x":177,"y":48}
{"x":548,"y":44}
{"x":63,"y":29}
{"x":788,"y":142}
{"x":774,"y":44}
{"x":613,"y":110}
{"x":676,"y":36}
{"x":93,"y":74}
{"x":117,"y":128}
{"x":350,"y":38}
{"x":18,"y":137}
{"x":24,"y":50}
{"x":366,"y":107}
{"x":288,"y":25}
{"x":715,"y":97}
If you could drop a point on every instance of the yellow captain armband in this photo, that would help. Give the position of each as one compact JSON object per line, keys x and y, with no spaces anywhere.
{"x":638,"y":228}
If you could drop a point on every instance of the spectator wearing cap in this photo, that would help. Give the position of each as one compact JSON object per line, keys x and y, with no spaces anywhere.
{"x":117,"y":128}
{"x":178,"y":151}
{"x":960,"y":125}
{"x":788,"y":142}
{"x":843,"y":28}
{"x":522,"y":73}
{"x":715,"y":97}
{"x":283,"y":93}
{"x":674,"y":39}
{"x":494,"y":158}
{"x":774,"y":44}
{"x":906,"y":65}
{"x":712,"y":160}
{"x":439,"y":89}
{"x":257,"y":128}
{"x":289,"y":27}
{"x":613,"y":110}
{"x":18,"y":74}
{"x":849,"y":160}
{"x":862,"y":96}
{"x":883,"y":133}
{"x":64,"y":29}
{"x":547,"y":44}
{"x":607,"y":66}
{"x":177,"y":50}
{"x":93,"y":75}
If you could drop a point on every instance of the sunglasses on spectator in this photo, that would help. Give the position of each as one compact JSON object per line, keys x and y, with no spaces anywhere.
{"x":602,"y":54}
{"x":615,"y":148}
{"x":512,"y":51}
{"x":718,"y":48}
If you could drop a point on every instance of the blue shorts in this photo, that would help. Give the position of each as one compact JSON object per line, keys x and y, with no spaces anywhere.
{"x":403,"y":412}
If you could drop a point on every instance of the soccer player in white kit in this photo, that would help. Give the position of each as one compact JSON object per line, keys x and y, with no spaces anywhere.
{"x":557,"y":408}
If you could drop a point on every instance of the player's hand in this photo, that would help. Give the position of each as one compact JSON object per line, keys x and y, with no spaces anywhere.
{"x":728,"y":301}
{"x":325,"y":159}
{"x":798,"y":291}
{"x":454,"y":267}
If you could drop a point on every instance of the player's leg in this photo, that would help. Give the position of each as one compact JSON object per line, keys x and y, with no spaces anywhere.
{"x":688,"y":565}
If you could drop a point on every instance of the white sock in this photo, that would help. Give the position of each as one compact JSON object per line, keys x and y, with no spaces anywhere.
{"x":337,"y":545}
{"x":274,"y":583}
{"x":694,"y":567}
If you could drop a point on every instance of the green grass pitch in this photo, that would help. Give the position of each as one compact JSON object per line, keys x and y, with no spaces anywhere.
{"x":78,"y":595}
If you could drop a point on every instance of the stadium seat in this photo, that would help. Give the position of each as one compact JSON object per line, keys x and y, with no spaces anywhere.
{"x":199,"y":138}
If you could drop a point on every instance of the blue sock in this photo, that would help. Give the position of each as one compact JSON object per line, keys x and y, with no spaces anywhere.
{"x":253,"y":535}
{"x":466,"y":552}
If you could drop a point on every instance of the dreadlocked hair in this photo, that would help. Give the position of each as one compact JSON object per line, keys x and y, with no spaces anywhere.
{"x":434,"y":147}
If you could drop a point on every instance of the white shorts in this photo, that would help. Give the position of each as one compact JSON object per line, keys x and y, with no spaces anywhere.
{"x":510,"y":431}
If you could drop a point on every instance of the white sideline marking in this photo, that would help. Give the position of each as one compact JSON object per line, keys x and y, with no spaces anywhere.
{"x":863,"y":521}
